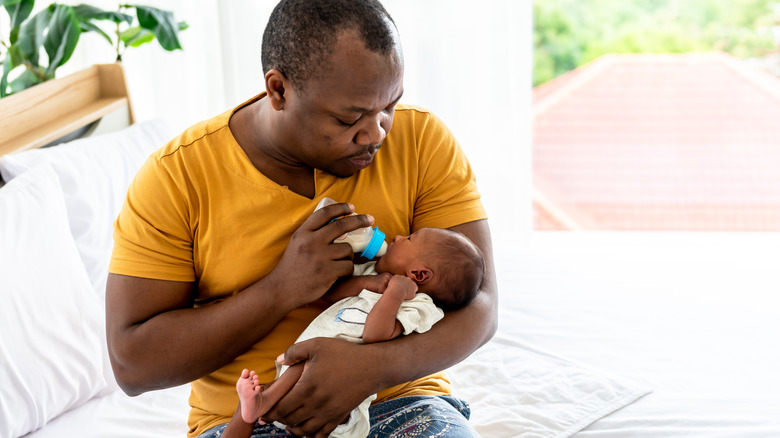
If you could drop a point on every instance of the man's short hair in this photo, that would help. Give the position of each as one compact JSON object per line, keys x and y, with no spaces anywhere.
{"x":301,"y":34}
{"x":458,"y":270}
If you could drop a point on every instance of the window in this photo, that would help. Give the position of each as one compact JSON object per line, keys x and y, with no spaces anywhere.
{"x":656,"y":115}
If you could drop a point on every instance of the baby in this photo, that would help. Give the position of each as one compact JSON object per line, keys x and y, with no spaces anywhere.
{"x":405,"y":290}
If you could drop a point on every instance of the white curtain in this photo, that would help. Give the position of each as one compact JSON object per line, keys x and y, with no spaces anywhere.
{"x":469,"y":62}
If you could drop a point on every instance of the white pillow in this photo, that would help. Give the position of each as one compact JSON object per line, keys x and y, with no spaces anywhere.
{"x":95,"y":173}
{"x":52,"y":325}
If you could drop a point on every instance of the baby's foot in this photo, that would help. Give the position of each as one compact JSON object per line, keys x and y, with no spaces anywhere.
{"x":250,"y":394}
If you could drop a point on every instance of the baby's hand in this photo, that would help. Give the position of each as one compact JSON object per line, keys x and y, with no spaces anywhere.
{"x":377,"y":283}
{"x":404,"y":285}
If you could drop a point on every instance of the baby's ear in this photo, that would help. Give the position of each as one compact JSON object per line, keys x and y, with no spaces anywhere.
{"x":420,"y":275}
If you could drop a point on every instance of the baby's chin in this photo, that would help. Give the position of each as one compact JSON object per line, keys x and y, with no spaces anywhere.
{"x":381,"y":267}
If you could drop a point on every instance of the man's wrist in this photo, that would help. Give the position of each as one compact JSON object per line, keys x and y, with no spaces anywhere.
{"x":385,"y":359}
{"x":275,"y":292}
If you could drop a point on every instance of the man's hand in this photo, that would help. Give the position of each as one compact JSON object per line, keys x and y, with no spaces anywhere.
{"x":330,"y":387}
{"x":312,"y":262}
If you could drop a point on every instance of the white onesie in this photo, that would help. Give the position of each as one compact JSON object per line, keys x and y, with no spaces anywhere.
{"x":346,"y":319}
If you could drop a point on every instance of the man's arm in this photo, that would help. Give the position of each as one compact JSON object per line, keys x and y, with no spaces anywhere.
{"x":339,"y":375}
{"x":157,"y":339}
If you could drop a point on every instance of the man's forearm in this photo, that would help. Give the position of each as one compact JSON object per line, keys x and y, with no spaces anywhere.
{"x":177,"y":346}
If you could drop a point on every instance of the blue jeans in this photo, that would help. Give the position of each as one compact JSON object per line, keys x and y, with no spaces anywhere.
{"x":416,"y":416}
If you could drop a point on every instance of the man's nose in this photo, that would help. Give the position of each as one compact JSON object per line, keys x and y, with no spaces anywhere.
{"x":371,"y":132}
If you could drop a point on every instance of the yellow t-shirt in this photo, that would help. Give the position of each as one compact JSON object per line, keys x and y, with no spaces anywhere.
{"x":198,"y":210}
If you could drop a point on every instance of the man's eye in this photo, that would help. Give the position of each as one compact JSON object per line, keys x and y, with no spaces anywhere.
{"x":343,"y":123}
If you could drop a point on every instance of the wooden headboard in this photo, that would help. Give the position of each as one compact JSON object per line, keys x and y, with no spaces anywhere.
{"x":90,"y":101}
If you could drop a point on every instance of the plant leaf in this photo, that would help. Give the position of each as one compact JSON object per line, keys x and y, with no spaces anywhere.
{"x":25,"y":80}
{"x":18,"y":11}
{"x":31,"y":36}
{"x":15,"y":56}
{"x":63,"y":35}
{"x":88,"y":13}
{"x":88,"y":26}
{"x":4,"y":78}
{"x":161,"y":23}
{"x":136,"y":36}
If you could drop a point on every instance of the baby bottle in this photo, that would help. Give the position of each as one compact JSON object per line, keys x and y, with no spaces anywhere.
{"x":369,"y":240}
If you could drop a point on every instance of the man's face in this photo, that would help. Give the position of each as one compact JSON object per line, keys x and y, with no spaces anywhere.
{"x":337,"y":121}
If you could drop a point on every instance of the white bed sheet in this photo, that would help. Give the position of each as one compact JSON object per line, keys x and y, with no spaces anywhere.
{"x":697,"y":316}
{"x":156,"y":414}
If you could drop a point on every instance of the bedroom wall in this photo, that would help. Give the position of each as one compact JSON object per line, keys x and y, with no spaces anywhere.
{"x":470,"y":65}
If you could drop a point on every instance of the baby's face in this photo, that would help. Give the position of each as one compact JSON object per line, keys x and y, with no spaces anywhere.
{"x":409,"y":252}
{"x":404,"y":251}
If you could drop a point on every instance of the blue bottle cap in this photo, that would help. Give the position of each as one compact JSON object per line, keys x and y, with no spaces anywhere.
{"x":377,"y":239}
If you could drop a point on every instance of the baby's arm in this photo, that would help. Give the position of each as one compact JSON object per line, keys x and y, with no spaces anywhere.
{"x":381,"y":323}
{"x":352,"y":286}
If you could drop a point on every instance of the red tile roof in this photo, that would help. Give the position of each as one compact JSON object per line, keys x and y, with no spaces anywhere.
{"x":658,"y":142}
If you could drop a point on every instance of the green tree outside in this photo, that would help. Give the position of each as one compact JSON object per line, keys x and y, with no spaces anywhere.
{"x":570,"y":33}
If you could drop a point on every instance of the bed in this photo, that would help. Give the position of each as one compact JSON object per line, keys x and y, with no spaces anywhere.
{"x":600,"y":335}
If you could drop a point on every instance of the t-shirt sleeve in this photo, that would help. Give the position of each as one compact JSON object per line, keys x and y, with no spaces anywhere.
{"x":419,"y":314}
{"x":447,"y":188}
{"x":152,"y":234}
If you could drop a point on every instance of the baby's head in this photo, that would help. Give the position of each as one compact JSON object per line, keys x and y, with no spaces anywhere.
{"x":445,"y":265}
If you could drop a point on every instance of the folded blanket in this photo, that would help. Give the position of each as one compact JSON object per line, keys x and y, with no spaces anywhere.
{"x":541,"y":395}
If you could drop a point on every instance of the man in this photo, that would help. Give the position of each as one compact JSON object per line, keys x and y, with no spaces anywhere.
{"x":219,"y":263}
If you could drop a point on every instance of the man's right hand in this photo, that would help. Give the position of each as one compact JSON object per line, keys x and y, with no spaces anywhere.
{"x":312,"y":262}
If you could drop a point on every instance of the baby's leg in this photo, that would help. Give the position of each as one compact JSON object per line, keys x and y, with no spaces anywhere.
{"x":256,"y":400}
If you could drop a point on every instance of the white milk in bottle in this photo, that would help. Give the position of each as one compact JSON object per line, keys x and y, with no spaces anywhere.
{"x":369,"y":240}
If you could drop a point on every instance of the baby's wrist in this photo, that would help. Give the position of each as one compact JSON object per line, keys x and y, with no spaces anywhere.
{"x":396,"y":294}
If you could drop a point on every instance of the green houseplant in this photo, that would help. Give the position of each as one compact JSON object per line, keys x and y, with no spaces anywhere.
{"x":57,"y":29}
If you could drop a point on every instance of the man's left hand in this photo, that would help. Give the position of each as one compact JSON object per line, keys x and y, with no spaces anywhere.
{"x":336,"y":379}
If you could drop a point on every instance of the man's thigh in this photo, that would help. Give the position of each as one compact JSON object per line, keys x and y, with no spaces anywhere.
{"x":421,"y":416}
{"x":415,"y":416}
{"x":266,"y":431}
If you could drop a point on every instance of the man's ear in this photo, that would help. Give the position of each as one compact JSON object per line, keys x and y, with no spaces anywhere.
{"x":420,"y":275}
{"x":275,"y":86}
